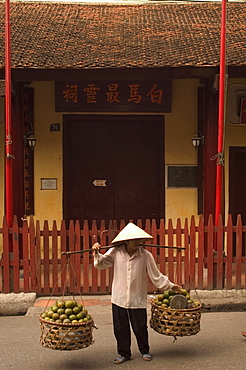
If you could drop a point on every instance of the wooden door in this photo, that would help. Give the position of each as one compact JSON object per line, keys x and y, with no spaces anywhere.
{"x":237,"y":183}
{"x":237,"y":186}
{"x":125,"y":153}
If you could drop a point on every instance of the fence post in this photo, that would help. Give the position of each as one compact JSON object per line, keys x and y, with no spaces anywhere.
{"x":15,"y":268}
{"x":210,"y":251}
{"x":25,"y":254}
{"x":162,"y":239}
{"x":86,"y":245}
{"x":46,"y":256}
{"x":179,"y":252}
{"x":239,"y":244}
{"x":7,"y":271}
{"x":186,"y":255}
{"x":192,"y":252}
{"x":103,"y":237}
{"x":33,"y":257}
{"x":54,"y":252}
{"x":218,"y":265}
{"x":229,"y":247}
{"x":200,"y":252}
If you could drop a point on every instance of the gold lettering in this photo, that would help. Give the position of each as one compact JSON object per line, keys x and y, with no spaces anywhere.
{"x":91,"y":91}
{"x":71,"y":93}
{"x":155,"y":95}
{"x":134,"y":96}
{"x":112,"y":95}
{"x":26,"y":173}
{"x":27,"y":185}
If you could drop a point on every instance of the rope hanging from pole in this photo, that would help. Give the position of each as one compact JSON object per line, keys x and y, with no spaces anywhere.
{"x":219,"y":159}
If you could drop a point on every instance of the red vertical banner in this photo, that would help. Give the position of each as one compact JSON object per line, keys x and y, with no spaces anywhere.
{"x":28,"y":152}
{"x":8,"y":122}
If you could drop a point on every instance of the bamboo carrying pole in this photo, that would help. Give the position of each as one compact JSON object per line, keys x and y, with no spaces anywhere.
{"x":111,"y":246}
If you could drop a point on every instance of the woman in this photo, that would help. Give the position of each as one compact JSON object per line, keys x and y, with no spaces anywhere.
{"x":132,"y":263}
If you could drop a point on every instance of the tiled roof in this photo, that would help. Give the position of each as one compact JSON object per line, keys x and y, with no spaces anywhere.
{"x":153,"y":34}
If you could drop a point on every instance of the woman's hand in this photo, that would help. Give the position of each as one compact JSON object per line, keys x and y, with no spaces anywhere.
{"x":177,"y":288}
{"x":95,"y":248}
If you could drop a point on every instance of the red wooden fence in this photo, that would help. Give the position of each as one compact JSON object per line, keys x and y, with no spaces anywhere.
{"x":31,"y":258}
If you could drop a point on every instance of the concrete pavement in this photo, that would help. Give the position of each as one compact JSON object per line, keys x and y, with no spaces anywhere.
{"x":219,"y":344}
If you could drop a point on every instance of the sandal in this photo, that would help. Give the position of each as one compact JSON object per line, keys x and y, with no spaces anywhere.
{"x":147,"y":357}
{"x":119,"y":360}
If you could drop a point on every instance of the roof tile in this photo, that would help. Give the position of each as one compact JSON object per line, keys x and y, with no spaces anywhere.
{"x":159,"y":34}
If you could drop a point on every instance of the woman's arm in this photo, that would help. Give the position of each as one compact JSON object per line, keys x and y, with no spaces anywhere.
{"x":102,"y":261}
{"x":158,"y":279}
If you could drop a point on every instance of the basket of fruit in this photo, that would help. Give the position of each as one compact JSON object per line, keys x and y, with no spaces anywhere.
{"x":66,"y":325}
{"x":171,"y":315}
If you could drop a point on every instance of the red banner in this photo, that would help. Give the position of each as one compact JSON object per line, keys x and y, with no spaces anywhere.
{"x":28,"y":152}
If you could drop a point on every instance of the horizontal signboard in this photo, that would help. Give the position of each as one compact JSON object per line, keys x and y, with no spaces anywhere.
{"x":114,"y":96}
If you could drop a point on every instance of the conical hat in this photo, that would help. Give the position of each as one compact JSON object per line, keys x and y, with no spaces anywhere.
{"x":131,"y":231}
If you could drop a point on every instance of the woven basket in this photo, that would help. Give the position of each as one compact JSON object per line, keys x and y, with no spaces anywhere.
{"x":66,"y":336}
{"x":182,"y":322}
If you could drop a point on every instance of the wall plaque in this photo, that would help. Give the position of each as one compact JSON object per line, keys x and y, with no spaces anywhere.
{"x":113,"y":96}
{"x":179,"y":176}
{"x":48,"y":184}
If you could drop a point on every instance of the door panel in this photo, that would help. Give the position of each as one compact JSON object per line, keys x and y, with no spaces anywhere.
{"x":237,"y":183}
{"x":237,"y":193}
{"x":127,"y":152}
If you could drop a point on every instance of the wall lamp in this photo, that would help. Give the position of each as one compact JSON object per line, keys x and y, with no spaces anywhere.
{"x":197,"y":139}
{"x":30,"y":140}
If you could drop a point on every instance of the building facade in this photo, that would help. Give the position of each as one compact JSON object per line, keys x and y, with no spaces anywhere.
{"x":113,"y":95}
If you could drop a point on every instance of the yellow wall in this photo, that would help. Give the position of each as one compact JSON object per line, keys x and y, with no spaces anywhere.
{"x":47,"y":153}
{"x":179,"y":128}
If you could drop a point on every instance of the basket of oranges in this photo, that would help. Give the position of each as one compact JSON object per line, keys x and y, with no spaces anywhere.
{"x":66,"y":325}
{"x":175,"y":316}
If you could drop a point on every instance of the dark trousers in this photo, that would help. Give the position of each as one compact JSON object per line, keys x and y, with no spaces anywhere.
{"x":122,"y":317}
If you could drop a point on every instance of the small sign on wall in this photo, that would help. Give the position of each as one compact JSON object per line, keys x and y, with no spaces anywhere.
{"x":55,"y":127}
{"x":99,"y":182}
{"x":48,"y":184}
{"x":181,"y":176}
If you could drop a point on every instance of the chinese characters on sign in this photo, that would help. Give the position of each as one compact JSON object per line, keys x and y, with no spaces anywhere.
{"x":28,"y":153}
{"x":116,"y":96}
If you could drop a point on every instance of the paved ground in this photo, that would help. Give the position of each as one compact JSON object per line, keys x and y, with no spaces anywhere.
{"x":219,"y":345}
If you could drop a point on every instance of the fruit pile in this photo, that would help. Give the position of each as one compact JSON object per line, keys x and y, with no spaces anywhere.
{"x":66,"y":312}
{"x":163,"y":300}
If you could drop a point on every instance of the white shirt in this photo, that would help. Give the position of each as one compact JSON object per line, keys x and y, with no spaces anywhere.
{"x":129,"y":287}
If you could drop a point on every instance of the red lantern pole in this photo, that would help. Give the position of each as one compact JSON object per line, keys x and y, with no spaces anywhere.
{"x":221,"y":116}
{"x":8,"y":121}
